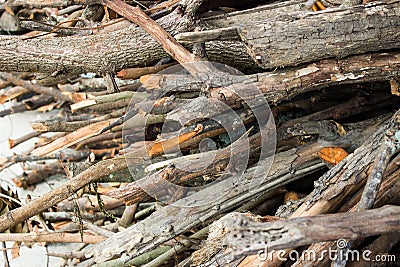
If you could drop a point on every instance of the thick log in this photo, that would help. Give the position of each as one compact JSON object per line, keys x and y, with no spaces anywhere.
{"x":332,"y":33}
{"x":289,"y":82}
{"x":131,"y":46}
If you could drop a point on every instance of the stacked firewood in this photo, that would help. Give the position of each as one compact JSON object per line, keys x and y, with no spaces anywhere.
{"x":197,"y":133}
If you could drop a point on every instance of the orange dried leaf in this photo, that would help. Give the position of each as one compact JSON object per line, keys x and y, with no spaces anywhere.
{"x":164,"y":145}
{"x":333,"y":155}
{"x":291,"y":196}
{"x":18,"y":181}
{"x":15,"y":250}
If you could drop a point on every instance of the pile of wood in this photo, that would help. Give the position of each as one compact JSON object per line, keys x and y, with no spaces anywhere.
{"x":197,"y":133}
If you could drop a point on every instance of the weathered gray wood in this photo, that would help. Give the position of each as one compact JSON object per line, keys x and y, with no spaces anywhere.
{"x":150,"y":233}
{"x":171,"y":220}
{"x":245,"y":236}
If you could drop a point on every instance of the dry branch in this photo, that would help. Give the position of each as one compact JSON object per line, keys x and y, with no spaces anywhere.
{"x":72,"y":138}
{"x":245,"y":236}
{"x":52,"y":238}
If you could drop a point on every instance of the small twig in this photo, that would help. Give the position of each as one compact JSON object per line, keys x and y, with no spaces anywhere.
{"x":34,"y":87}
{"x":5,"y":257}
{"x":14,"y":142}
{"x":179,"y":248}
{"x":52,"y":238}
{"x":137,"y":16}
{"x":97,"y":229}
{"x":128,"y":215}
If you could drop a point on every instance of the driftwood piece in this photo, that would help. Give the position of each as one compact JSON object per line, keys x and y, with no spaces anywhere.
{"x":244,"y":236}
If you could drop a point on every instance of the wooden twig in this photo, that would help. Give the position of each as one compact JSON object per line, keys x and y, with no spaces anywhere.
{"x":34,"y":87}
{"x":135,"y":73}
{"x":12,"y":93}
{"x":90,"y":215}
{"x":72,"y":138}
{"x":182,"y":246}
{"x":97,"y":229}
{"x":35,"y":176}
{"x":14,"y":142}
{"x":102,"y":137}
{"x":389,"y":147}
{"x":28,"y":104}
{"x":50,"y":199}
{"x":5,"y":257}
{"x":137,"y":16}
{"x":108,"y":98}
{"x":52,"y":238}
{"x":90,"y":203}
{"x":129,"y":215}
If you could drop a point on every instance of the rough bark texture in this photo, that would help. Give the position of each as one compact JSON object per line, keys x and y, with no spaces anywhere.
{"x":131,"y":46}
{"x":299,"y":37}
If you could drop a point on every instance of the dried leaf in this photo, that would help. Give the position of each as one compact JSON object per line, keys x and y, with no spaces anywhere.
{"x":333,"y":155}
{"x":394,"y":87}
{"x":291,"y":196}
{"x":15,"y":250}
